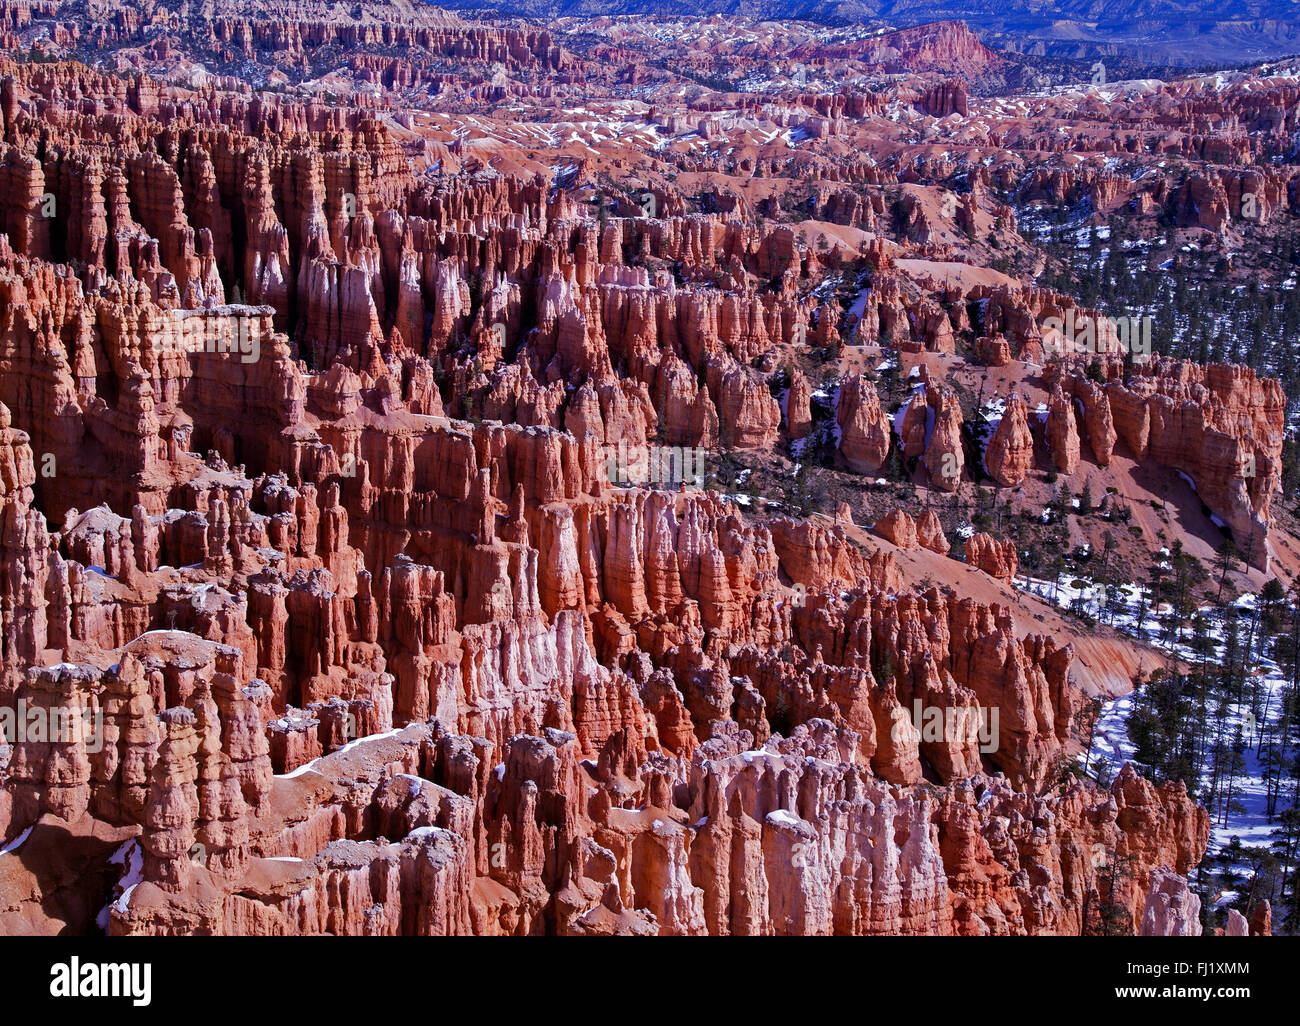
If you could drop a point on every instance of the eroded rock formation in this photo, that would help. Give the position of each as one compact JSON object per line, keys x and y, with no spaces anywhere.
{"x":364,"y":499}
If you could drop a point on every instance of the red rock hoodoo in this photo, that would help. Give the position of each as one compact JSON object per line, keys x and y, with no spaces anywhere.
{"x":453,"y":525}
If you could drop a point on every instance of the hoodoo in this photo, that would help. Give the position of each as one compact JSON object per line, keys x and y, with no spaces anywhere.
{"x":604,"y":474}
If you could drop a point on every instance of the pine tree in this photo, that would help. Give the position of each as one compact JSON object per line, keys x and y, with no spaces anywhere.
{"x":1225,"y":563}
{"x":1110,"y":915}
{"x":1233,"y":768}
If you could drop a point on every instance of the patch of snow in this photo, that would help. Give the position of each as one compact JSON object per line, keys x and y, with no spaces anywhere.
{"x":17,"y":842}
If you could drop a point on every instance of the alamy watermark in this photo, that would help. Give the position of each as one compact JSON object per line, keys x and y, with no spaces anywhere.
{"x":243,"y":337}
{"x":75,"y":979}
{"x":665,"y":465}
{"x":1072,"y":335}
{"x":955,"y":724}
{"x":55,"y":723}
{"x":234,"y":330}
